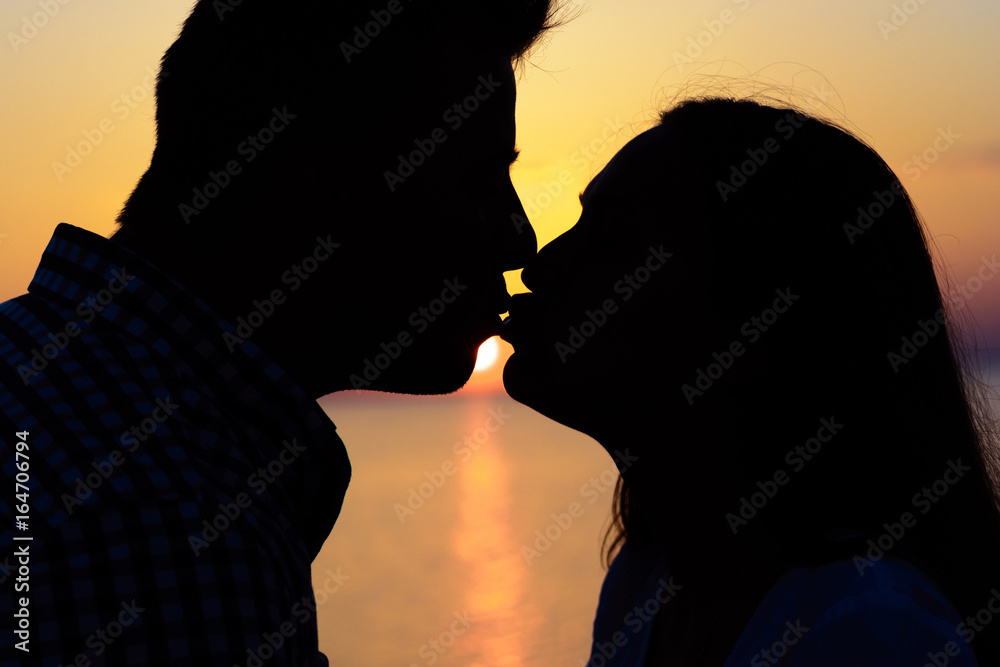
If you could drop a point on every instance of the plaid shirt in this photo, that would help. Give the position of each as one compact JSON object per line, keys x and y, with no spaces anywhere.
{"x":178,"y":490}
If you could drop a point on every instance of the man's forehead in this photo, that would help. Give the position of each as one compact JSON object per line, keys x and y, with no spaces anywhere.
{"x":462,"y":73}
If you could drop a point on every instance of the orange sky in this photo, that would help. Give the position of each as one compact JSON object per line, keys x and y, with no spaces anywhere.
{"x":900,"y":79}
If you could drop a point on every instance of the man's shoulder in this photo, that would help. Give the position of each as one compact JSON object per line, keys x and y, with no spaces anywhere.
{"x":45,"y":344}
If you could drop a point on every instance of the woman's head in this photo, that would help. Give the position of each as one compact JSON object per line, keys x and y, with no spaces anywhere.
{"x":741,"y":278}
{"x":731,"y":226}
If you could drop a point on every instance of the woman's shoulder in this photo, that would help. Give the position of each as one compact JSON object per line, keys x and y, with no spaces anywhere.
{"x":854,"y":611}
{"x":636,"y":586}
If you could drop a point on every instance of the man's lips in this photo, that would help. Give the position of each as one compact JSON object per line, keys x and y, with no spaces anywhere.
{"x":521,"y":314}
{"x":495,"y":301}
{"x":502,"y":302}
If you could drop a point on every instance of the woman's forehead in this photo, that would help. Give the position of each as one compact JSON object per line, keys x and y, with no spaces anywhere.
{"x":645,"y":155}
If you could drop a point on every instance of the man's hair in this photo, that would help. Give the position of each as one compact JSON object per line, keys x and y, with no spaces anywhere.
{"x":349,"y":67}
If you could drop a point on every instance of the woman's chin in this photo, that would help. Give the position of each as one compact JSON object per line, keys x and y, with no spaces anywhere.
{"x":518,"y":381}
{"x":530,"y":382}
{"x":544,"y":390}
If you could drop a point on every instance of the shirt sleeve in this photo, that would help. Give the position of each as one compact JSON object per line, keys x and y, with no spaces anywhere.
{"x":891,"y":615}
{"x":879,"y":631}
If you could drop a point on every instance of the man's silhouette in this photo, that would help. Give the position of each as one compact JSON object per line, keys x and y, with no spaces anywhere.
{"x":328,"y":207}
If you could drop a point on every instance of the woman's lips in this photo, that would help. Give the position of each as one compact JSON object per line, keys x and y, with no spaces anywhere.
{"x":503,"y":303}
{"x":505,"y":328}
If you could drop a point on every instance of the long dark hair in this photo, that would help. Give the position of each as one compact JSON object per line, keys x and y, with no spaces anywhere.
{"x":787,"y":199}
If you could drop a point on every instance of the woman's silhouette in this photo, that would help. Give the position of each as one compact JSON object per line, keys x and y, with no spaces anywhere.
{"x":748,"y":305}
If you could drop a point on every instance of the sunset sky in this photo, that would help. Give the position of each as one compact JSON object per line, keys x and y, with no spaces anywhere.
{"x":918,"y":80}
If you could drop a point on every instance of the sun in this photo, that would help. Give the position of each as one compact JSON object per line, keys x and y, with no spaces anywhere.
{"x":489,"y":352}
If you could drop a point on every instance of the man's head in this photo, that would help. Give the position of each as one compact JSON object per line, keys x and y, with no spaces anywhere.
{"x":386,"y":128}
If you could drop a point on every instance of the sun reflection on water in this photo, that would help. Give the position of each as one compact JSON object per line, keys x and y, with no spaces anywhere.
{"x":494,"y":571}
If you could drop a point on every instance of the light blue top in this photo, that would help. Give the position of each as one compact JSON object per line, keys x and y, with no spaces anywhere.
{"x":825,"y":616}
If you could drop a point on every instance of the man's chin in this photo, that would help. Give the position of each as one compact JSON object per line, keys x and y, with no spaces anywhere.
{"x":432,"y":377}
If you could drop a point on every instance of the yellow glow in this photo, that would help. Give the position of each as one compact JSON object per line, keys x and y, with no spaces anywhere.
{"x":489,"y":352}
{"x":576,"y":106}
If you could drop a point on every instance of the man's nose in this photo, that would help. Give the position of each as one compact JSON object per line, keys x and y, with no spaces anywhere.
{"x":514,"y":238}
